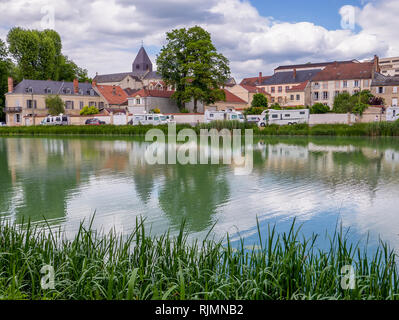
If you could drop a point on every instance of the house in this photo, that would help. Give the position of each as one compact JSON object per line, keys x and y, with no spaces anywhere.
{"x":246,"y":92}
{"x":114,"y":96}
{"x":290,"y":88}
{"x":27,"y":101}
{"x":141,"y":76}
{"x":232,"y":101}
{"x":389,"y":66}
{"x":386,"y":87}
{"x":146,"y":100}
{"x":254,"y":81}
{"x":342,"y":77}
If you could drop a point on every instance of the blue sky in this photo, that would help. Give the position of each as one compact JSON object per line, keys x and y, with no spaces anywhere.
{"x":321,"y":12}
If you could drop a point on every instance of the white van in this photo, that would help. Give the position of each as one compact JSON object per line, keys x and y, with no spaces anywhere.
{"x":253,"y":118}
{"x":284,"y":117}
{"x":60,"y":120}
{"x":229,"y":114}
{"x":392,"y":114}
{"x":149,"y":118}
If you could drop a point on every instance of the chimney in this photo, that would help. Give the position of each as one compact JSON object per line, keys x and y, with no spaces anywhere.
{"x":10,"y":85}
{"x":294,"y":73}
{"x":376,"y":66}
{"x":260,"y":78}
{"x":94,"y":83}
{"x":75,"y":86}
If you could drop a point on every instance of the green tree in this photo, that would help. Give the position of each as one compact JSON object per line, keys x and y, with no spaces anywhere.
{"x":275,"y":106}
{"x":259,"y":101}
{"x":319,"y":108}
{"x":5,"y":71}
{"x":86,"y":111}
{"x":38,"y":56}
{"x":55,"y":105}
{"x":191,"y":64}
{"x":342,"y":103}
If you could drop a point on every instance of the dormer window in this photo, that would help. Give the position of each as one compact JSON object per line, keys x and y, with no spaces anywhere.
{"x":91,"y":92}
{"x":29,"y":90}
{"x":48,"y":91}
{"x":80,"y":91}
{"x":67,"y":90}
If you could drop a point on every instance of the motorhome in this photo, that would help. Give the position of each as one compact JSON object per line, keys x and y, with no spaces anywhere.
{"x":392,"y":113}
{"x":253,"y":118}
{"x":60,"y":120}
{"x":149,"y":118}
{"x":284,"y":117}
{"x":229,"y":114}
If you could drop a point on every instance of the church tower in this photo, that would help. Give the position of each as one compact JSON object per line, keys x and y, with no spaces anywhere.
{"x":142,"y":63}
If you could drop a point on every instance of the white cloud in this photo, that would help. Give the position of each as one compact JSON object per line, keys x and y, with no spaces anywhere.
{"x":104,"y":35}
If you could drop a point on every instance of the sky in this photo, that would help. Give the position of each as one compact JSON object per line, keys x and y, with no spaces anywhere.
{"x":256,"y":36}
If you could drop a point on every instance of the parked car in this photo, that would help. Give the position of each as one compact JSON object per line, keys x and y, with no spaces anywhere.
{"x":94,"y":122}
{"x":2,"y":124}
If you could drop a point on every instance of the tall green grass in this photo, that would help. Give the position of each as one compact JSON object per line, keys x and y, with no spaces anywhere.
{"x":140,"y":266}
{"x":359,"y":129}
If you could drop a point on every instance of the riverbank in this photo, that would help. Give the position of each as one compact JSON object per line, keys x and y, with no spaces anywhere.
{"x":360,"y":129}
{"x":93,"y":266}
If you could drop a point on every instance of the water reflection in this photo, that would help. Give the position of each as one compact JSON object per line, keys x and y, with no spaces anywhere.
{"x":317,"y":180}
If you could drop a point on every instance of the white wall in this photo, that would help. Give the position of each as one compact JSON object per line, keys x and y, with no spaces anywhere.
{"x":331,"y":118}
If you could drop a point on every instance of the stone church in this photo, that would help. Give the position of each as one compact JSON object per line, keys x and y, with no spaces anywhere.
{"x":141,"y":76}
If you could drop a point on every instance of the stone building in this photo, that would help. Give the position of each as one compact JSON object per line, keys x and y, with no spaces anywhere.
{"x":386,"y":88}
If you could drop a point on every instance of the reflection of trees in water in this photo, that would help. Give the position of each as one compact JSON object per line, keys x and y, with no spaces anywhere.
{"x":5,"y":179}
{"x":143,"y":178}
{"x":194,"y":193}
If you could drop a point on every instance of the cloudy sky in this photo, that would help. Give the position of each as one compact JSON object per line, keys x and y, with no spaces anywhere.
{"x":256,"y":35}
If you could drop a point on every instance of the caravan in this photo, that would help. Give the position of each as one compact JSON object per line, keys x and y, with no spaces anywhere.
{"x":229,"y":115}
{"x":392,"y":114}
{"x":60,"y":120}
{"x":149,"y":118}
{"x":284,"y":117}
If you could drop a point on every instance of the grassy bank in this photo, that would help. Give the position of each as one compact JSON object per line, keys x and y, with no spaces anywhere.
{"x":93,"y":266}
{"x":360,"y":129}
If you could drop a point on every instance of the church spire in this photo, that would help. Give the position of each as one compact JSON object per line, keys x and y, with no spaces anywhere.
{"x":142,"y":63}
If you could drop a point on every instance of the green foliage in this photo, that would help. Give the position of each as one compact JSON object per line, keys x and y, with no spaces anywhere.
{"x":357,"y":103}
{"x":342,"y":103}
{"x":5,"y":71}
{"x":254,"y":110}
{"x":184,"y":110}
{"x":191,"y":64}
{"x":156,"y":110}
{"x":359,"y":108}
{"x":259,"y":101}
{"x":97,"y":266}
{"x":55,"y":105}
{"x":39,"y":57}
{"x":275,"y":106}
{"x":86,"y":111}
{"x":319,"y":108}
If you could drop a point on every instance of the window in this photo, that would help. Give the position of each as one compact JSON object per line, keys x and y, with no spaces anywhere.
{"x":325,"y":85}
{"x":280,"y":89}
{"x":274,"y":116}
{"x":29,"y":90}
{"x":280,"y":99}
{"x":357,"y":84}
{"x":292,"y":97}
{"x":395,"y":90}
{"x":67,"y":90}
{"x":298,"y":97}
{"x":316,"y":85}
{"x":345,"y":84}
{"x":316,"y":96}
{"x":48,"y":91}
{"x":31,"y":104}
{"x":287,"y":115}
{"x":302,"y":112}
{"x":337,"y":84}
{"x":92,"y":104}
{"x":287,"y":88}
{"x":101,"y":105}
{"x":394,"y":102}
{"x":325,"y":95}
{"x":380,"y":90}
{"x":69,"y":105}
{"x":138,"y":101}
{"x":17,"y":118}
{"x":273,"y":89}
{"x":366,"y":83}
{"x":273,"y":99}
{"x":81,"y":105}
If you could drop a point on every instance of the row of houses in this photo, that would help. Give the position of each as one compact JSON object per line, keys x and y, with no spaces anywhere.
{"x":307,"y":84}
{"x":142,"y":89}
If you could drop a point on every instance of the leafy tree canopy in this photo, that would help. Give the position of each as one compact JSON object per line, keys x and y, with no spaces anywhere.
{"x":191,"y":64}
{"x":319,"y":108}
{"x":259,"y":101}
{"x":55,"y":105}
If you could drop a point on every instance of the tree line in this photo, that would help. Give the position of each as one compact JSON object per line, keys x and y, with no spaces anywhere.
{"x":36,"y":55}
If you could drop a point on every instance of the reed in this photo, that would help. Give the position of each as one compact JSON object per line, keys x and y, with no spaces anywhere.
{"x":140,"y":266}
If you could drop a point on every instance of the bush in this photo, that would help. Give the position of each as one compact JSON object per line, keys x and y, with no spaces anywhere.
{"x":156,"y":110}
{"x":184,"y":110}
{"x":319,"y":108}
{"x":275,"y":106}
{"x":254,"y":110}
{"x":259,"y":101}
{"x":86,"y":111}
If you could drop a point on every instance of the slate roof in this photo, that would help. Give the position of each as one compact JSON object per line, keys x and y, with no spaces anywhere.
{"x":381,"y":80}
{"x":346,"y":71}
{"x":57,"y":87}
{"x":286,"y":77}
{"x":142,"y":62}
{"x":153,"y":75}
{"x":115,"y":77}
{"x":311,"y":65}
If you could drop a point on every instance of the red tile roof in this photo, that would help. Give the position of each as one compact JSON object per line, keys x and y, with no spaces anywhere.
{"x":232,"y":98}
{"x":299,"y":87}
{"x":345,"y":71}
{"x":153,"y":93}
{"x":253,"y":81}
{"x":114,"y":95}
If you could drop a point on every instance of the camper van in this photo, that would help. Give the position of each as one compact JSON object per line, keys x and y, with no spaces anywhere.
{"x":149,"y":118}
{"x":253,"y":118}
{"x":392,"y":113}
{"x":60,"y":120}
{"x":229,"y":114}
{"x":284,"y":117}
